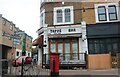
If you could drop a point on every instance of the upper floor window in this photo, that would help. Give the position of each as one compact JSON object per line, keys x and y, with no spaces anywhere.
{"x":112,"y":12}
{"x":11,"y":26}
{"x":59,"y":16}
{"x":67,"y":15}
{"x":42,"y":18}
{"x":63,"y":15}
{"x":4,"y":22}
{"x":102,"y":13}
{"x":106,"y":12}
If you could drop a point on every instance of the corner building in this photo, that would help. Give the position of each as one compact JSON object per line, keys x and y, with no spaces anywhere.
{"x":63,"y":31}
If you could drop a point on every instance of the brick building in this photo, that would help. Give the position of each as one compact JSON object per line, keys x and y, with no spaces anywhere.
{"x":7,"y":33}
{"x":71,"y":28}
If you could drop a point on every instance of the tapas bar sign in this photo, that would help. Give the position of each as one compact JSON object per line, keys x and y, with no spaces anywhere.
{"x":55,"y":31}
{"x":64,"y":30}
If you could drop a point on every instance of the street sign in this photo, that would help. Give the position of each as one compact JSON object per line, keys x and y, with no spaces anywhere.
{"x":16,"y":41}
{"x":18,"y":32}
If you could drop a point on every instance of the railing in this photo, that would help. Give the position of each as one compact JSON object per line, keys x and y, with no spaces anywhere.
{"x":24,"y":70}
{"x":68,"y":59}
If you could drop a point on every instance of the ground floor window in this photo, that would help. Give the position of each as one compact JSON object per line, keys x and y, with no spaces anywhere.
{"x":67,"y":47}
{"x":104,"y":45}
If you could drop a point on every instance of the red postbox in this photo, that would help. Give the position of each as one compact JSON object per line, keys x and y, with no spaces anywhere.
{"x":54,"y":64}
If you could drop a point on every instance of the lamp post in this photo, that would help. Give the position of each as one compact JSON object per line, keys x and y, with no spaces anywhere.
{"x":24,"y":45}
{"x":23,"y":48}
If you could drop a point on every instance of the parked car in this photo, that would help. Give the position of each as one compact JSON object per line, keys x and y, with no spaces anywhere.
{"x":18,"y":62}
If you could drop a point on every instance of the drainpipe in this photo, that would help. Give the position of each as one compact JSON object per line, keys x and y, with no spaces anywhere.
{"x":84,"y":37}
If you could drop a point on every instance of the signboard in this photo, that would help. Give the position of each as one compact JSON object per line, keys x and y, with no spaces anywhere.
{"x":64,"y":30}
{"x":16,"y":41}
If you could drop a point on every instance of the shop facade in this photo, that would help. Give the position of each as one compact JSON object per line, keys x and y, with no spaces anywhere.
{"x":70,"y":41}
{"x":104,"y":38}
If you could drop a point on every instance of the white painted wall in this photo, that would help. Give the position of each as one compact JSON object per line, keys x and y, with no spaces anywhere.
{"x":27,"y":52}
{"x":40,"y":56}
{"x":20,"y":53}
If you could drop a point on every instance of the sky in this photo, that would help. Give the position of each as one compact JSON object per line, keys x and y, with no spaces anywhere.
{"x":25,"y":14}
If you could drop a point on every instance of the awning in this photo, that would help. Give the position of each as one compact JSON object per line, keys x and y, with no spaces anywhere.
{"x":38,"y":41}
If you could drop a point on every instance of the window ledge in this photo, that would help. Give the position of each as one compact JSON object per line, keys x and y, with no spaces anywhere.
{"x":107,"y":21}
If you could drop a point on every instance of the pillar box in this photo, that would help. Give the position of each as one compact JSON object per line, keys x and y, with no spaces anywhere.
{"x":54,"y":64}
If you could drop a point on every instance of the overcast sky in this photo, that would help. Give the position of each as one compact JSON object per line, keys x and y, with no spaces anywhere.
{"x":24,"y":13}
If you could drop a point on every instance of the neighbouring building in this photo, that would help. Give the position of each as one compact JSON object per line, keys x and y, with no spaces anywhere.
{"x":73,"y":28}
{"x":104,"y":35}
{"x":11,"y":39}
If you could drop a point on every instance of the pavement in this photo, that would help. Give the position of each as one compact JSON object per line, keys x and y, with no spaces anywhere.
{"x":90,"y":72}
{"x":76,"y":72}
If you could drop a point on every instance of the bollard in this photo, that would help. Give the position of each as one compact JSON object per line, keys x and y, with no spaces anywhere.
{"x":54,"y":64}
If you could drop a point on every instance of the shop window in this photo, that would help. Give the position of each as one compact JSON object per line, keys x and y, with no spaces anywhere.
{"x":67,"y":51}
{"x":52,"y":47}
{"x":68,"y":48}
{"x":102,"y":46}
{"x":60,"y":50}
{"x":74,"y":51}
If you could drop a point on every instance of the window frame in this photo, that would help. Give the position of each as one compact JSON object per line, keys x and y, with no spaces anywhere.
{"x":11,"y":26}
{"x":99,"y":14}
{"x":67,"y":14}
{"x":112,"y":13}
{"x":108,"y":44}
{"x":106,"y":5}
{"x":63,"y":15}
{"x":42,"y":20}
{"x":63,"y":42}
{"x":59,"y":15}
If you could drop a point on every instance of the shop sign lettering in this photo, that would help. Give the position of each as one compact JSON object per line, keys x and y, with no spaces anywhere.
{"x":72,"y":30}
{"x":55,"y":31}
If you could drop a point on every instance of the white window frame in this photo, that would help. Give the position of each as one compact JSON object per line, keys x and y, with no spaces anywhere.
{"x":42,"y":23}
{"x":63,"y":15}
{"x":107,"y":13}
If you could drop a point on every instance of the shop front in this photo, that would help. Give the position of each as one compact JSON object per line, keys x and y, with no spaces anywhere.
{"x":103,"y":41}
{"x":70,"y":41}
